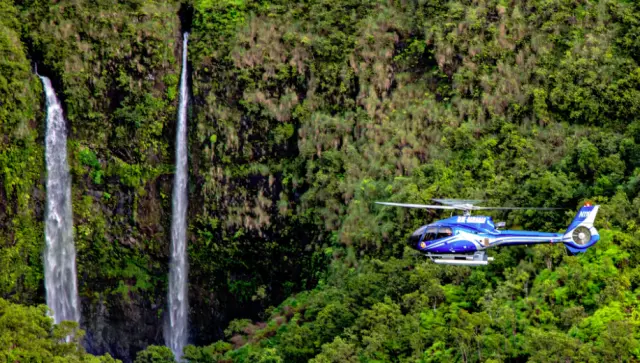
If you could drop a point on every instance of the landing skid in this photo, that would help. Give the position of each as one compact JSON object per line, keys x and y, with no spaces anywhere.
{"x":479,"y":258}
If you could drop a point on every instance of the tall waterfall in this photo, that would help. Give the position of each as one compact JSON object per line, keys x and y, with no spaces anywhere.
{"x":175,"y":334}
{"x":60,"y":252}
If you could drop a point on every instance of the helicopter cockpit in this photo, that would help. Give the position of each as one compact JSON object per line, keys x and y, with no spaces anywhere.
{"x":437,"y":233}
{"x":430,"y":233}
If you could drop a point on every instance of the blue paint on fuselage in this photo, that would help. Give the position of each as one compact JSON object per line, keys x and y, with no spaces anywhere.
{"x":467,"y":234}
{"x":476,"y":223}
{"x":583,"y":213}
{"x":513,"y":233}
{"x":459,"y":246}
{"x":479,"y":233}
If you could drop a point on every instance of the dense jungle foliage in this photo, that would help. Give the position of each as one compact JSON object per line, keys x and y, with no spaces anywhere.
{"x":302,"y":114}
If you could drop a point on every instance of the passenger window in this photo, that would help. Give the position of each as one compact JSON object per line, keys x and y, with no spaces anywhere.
{"x":444,"y":232}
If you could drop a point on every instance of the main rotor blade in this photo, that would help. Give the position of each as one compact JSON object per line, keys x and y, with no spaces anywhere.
{"x":515,"y":208}
{"x":423,"y":206}
{"x":458,"y":201}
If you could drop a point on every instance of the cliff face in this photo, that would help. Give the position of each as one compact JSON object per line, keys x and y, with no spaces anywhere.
{"x":21,"y":166}
{"x":116,"y":69}
{"x":302,"y":115}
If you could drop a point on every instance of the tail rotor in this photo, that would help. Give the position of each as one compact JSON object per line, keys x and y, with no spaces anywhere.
{"x":581,"y":233}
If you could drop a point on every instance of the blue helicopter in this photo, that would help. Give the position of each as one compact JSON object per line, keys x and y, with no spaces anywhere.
{"x":464,"y":240}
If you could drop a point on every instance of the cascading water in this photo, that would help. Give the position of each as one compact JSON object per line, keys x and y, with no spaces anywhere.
{"x":175,"y":333}
{"x":60,"y":253}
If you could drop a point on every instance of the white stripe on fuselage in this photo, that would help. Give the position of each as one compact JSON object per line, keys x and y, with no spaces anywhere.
{"x":461,"y":236}
{"x":493,"y":241}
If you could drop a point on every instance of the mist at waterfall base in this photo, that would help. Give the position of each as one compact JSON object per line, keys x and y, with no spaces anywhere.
{"x":175,"y":332}
{"x":60,"y":253}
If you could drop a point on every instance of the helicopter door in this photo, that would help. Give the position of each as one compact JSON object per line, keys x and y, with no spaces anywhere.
{"x":444,"y":232}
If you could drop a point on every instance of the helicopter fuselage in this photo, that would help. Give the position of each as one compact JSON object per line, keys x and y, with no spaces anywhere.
{"x":468,"y":234}
{"x":463,"y":240}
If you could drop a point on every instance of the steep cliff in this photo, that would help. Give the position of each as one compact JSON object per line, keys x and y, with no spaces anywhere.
{"x":302,"y":115}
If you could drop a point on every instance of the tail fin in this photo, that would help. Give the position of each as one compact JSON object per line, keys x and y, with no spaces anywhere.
{"x":581,"y":234}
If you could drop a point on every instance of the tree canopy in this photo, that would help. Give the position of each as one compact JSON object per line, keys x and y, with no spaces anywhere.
{"x":27,"y":334}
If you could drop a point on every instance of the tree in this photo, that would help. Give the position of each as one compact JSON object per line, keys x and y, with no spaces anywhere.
{"x":338,"y":351}
{"x":27,"y":333}
{"x":155,"y":354}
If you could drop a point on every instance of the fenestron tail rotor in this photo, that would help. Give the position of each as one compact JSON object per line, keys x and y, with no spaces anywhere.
{"x":581,"y":235}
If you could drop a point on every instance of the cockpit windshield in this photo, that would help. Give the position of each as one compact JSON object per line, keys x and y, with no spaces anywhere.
{"x":419,"y":231}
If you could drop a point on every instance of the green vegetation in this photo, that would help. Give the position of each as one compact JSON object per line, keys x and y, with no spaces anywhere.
{"x":29,"y":335}
{"x":155,"y":354}
{"x":21,"y":166}
{"x":303,"y":114}
{"x":409,"y":310}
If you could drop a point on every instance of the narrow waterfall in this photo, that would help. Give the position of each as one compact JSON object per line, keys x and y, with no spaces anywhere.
{"x":60,"y":253}
{"x":175,"y":334}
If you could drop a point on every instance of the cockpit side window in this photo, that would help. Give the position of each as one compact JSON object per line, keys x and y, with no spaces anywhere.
{"x":432,"y":233}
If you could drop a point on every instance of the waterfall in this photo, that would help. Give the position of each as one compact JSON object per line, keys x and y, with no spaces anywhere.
{"x":60,"y":252}
{"x":175,"y":334}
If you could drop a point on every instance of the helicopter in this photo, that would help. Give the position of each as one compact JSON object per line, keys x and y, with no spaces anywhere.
{"x":465,"y":239}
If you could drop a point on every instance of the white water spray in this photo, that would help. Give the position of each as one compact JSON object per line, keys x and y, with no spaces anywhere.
{"x":60,"y":253}
{"x":175,"y":333}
